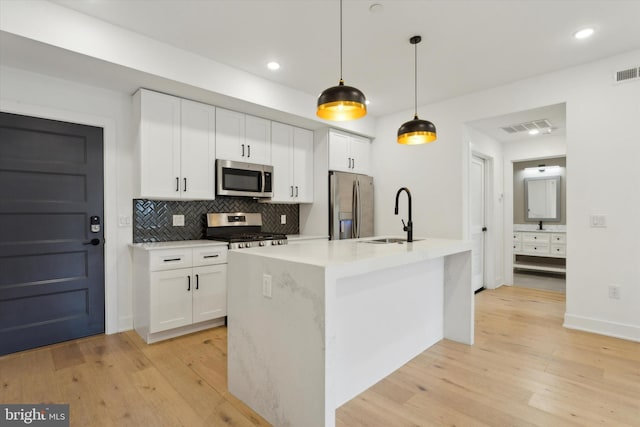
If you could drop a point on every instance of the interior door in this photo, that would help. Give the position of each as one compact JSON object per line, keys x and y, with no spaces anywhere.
{"x":51,"y":232}
{"x":477,"y":221}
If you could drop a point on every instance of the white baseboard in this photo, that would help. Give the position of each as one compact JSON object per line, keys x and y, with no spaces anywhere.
{"x":602,"y":327}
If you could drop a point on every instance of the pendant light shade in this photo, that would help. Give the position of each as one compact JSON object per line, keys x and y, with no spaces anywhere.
{"x":341,"y":103}
{"x":416,"y":131}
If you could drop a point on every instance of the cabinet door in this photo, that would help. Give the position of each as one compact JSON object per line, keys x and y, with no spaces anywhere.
{"x":258,"y":140}
{"x":303,"y":165}
{"x":339,"y":159}
{"x":230,"y":143}
{"x":159,"y":145}
{"x":360,"y":154}
{"x":198,"y":151}
{"x":281,"y":146}
{"x":210,"y":293}
{"x":170,"y":299}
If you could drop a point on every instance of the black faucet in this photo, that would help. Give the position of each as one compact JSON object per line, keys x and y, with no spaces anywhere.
{"x":408,"y":227}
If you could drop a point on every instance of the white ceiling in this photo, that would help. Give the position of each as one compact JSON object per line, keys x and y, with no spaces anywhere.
{"x":467,"y":45}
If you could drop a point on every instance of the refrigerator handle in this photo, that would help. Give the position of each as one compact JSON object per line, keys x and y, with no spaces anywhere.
{"x":354,"y":209}
{"x":359,"y":211}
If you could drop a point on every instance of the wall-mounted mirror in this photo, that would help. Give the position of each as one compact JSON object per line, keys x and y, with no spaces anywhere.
{"x":542,"y":198}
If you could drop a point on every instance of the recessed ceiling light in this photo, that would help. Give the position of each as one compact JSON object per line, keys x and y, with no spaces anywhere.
{"x":584,"y":33}
{"x":534,"y":132}
{"x":273,"y":66}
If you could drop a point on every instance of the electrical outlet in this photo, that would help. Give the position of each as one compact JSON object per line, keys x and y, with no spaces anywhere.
{"x":178,"y":220}
{"x":599,"y":221}
{"x":614,"y":291}
{"x":283,"y":219}
{"x":266,"y":285}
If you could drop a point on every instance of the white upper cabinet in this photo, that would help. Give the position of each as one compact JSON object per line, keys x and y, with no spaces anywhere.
{"x":349,"y":153}
{"x":176,"y":147}
{"x":292,"y":156}
{"x":197,"y":160}
{"x":242,"y":137}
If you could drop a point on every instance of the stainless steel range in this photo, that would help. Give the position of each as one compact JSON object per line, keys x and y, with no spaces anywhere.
{"x":241,"y":230}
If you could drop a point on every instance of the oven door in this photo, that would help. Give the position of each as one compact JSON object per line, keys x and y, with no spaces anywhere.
{"x":243,"y":179}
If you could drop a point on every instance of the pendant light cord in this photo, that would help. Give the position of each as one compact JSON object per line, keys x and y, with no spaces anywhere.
{"x":340,"y":40}
{"x":415,"y":82}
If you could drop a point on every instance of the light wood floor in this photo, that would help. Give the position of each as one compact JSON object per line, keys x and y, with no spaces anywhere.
{"x":524,"y":370}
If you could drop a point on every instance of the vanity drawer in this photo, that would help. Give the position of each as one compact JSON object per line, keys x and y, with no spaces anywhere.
{"x":558,"y":238}
{"x":535,"y":237}
{"x":535,"y":248}
{"x":558,"y":250}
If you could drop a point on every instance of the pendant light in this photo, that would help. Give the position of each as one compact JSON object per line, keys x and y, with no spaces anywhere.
{"x":416,"y":131}
{"x":341,"y":103}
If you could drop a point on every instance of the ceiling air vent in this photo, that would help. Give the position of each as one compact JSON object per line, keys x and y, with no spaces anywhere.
{"x":527,"y":126}
{"x":627,"y":75}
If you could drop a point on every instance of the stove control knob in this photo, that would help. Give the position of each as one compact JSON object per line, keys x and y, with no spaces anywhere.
{"x":262,"y":243}
{"x":240,"y":245}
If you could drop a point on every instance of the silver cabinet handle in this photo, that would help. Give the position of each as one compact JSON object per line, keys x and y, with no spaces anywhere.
{"x":197,"y":282}
{"x":177,"y":183}
{"x":185,"y":185}
{"x":171,"y":259}
{"x":242,"y":150}
{"x":212,"y":256}
{"x":248,"y":151}
{"x":188,"y":283}
{"x":292,"y":191}
{"x":296,"y":191}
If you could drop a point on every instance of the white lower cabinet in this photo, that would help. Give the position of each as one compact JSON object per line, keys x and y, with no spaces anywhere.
{"x":539,"y":244}
{"x":179,"y":290}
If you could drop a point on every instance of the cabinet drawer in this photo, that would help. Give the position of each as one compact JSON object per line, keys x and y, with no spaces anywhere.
{"x":558,"y":250}
{"x":535,"y":248}
{"x":209,"y":256}
{"x":169,"y":259}
{"x":535,"y":237}
{"x":517,"y":236}
{"x":558,"y":238}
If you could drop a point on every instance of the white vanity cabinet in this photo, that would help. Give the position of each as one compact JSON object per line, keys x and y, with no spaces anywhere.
{"x":292,"y":159}
{"x":242,"y":137}
{"x":349,"y":153}
{"x":550,"y":244}
{"x":178,"y":290}
{"x":175,"y":147}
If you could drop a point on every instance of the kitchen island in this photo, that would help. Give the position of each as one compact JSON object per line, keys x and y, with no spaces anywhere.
{"x":311,"y":325}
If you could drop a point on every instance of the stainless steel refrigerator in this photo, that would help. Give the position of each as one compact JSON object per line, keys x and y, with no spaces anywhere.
{"x":350,"y":205}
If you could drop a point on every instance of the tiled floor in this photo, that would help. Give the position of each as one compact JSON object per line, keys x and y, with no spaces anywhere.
{"x":536,"y":280}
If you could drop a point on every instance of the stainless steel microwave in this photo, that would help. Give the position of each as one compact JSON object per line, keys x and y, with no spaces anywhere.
{"x":243,"y":179}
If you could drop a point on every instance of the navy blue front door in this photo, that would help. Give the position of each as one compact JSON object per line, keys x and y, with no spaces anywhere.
{"x":51,"y":232}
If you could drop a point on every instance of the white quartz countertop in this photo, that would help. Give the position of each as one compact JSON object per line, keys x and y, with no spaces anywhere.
{"x":356,"y":252}
{"x":300,"y":237}
{"x":546,"y":228}
{"x":177,"y":244}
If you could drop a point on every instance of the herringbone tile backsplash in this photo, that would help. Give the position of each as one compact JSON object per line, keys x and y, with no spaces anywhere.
{"x":153,"y":219}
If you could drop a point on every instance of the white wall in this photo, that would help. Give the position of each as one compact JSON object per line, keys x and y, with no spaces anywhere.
{"x":37,"y":95}
{"x":602,"y":149}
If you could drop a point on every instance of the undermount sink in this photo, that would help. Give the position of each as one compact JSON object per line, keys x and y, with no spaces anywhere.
{"x":388,"y":240}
